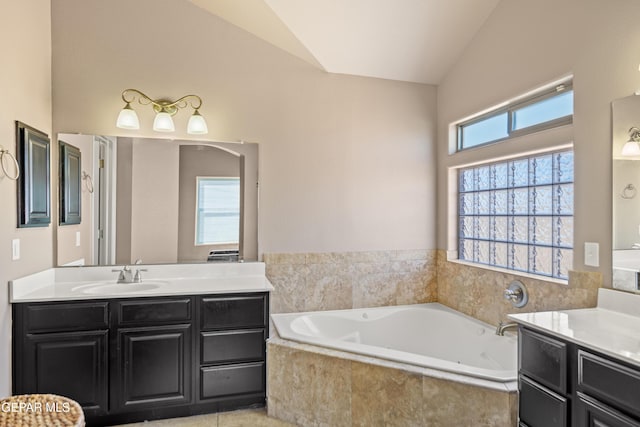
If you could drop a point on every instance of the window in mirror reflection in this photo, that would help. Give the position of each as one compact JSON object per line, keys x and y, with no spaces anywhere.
{"x":218,"y":210}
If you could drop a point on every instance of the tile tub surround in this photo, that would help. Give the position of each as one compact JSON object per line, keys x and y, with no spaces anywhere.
{"x":308,"y":385}
{"x":341,"y":280}
{"x":241,"y":418}
{"x":478,"y":292}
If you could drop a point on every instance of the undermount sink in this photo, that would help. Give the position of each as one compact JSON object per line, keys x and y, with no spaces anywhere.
{"x":110,"y":287}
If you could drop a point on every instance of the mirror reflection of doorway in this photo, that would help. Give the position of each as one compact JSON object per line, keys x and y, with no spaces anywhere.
{"x":104,"y":201}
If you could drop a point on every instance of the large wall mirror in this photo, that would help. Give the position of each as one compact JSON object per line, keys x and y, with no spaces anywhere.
{"x":626,"y":193}
{"x":162,"y":201}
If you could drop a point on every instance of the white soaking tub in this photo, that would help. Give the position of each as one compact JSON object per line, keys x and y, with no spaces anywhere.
{"x":426,"y":335}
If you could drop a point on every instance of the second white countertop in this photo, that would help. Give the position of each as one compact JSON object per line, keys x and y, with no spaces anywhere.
{"x":612,"y":328}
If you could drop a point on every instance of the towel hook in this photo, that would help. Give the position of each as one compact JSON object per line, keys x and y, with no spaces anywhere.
{"x":88,"y":181}
{"x":3,"y":153}
{"x":629,"y":192}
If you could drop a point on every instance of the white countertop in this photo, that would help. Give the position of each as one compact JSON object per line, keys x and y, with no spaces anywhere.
{"x":81,"y":283}
{"x":612,"y":328}
{"x":626,"y":259}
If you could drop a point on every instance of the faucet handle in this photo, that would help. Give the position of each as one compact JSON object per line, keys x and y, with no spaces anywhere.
{"x":138,"y":277}
{"x":121,"y":275}
{"x":516,"y":294}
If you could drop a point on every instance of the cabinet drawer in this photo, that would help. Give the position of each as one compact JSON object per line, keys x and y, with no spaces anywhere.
{"x":543,"y":359}
{"x":232,"y":380}
{"x":232,"y":346}
{"x":154,"y":311}
{"x":233,"y":312}
{"x":62,"y":317}
{"x":609,"y":381}
{"x":539,"y":407}
{"x":592,"y":413}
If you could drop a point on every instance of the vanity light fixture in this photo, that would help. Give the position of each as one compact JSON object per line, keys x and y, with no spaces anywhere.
{"x":631,"y":147}
{"x":165,"y":109}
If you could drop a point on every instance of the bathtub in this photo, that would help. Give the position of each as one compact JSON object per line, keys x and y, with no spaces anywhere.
{"x":425,"y":335}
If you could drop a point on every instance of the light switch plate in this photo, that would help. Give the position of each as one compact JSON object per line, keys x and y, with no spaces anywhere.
{"x":592,"y":254}
{"x":77,"y":238}
{"x":15,"y":249}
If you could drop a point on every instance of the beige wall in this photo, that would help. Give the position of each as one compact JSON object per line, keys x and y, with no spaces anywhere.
{"x":342,"y":158}
{"x":124,"y":153}
{"x":154,"y":201}
{"x":525,"y":44}
{"x":66,"y":234}
{"x":25,"y":85}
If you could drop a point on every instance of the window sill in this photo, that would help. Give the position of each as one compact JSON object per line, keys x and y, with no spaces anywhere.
{"x":452,"y":257}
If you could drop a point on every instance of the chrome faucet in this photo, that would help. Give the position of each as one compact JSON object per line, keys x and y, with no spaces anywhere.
{"x":127,"y":275}
{"x":504,"y":326}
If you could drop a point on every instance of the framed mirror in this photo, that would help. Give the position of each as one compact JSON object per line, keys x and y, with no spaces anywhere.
{"x":70,"y":197}
{"x":34,"y":183}
{"x":162,"y":201}
{"x":625,"y":197}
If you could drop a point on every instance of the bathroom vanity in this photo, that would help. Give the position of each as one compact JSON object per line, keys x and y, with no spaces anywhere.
{"x":186,"y":346}
{"x":581,"y":367}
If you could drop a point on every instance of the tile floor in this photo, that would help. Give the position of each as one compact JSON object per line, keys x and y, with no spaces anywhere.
{"x":243,"y":418}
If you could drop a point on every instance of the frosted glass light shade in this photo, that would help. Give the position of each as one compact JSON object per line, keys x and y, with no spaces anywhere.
{"x":163,"y":122}
{"x":197,"y":125}
{"x":631,"y":148}
{"x":128,"y":119}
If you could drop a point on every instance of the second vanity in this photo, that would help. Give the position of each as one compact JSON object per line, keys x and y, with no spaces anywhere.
{"x":581,"y":367}
{"x":185,"y":340}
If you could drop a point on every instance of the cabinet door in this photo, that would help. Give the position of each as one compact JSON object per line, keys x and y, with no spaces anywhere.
{"x":71,"y":364}
{"x":543,"y":359}
{"x":609,"y":382}
{"x":153,"y":367}
{"x":592,"y":413}
{"x":540,"y":407}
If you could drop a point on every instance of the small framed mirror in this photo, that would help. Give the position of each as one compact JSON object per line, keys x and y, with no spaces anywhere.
{"x":34,"y":183}
{"x":70,"y":194}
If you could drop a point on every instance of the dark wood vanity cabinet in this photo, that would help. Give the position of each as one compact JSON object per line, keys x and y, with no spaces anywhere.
{"x":233,"y":333}
{"x":153,"y":353}
{"x":563,"y":384}
{"x":63,"y":348}
{"x":133,"y":359}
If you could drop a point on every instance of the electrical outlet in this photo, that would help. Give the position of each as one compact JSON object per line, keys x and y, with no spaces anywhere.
{"x":77,"y":238}
{"x":15,"y":249}
{"x":592,"y":254}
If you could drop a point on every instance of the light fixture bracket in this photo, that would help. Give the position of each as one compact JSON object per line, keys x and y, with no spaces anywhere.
{"x":164,"y":106}
{"x":168,"y":106}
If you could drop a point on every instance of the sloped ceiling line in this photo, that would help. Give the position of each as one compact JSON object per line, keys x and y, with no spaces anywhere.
{"x":406,"y":40}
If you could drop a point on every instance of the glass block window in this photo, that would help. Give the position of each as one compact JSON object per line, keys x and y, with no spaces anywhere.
{"x":543,"y":110}
{"x":217,"y":210}
{"x":518,"y":214}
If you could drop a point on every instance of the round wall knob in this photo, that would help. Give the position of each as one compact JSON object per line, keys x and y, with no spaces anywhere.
{"x":517,"y":294}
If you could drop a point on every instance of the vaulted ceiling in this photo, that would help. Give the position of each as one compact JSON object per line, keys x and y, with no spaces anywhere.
{"x":407,"y":40}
